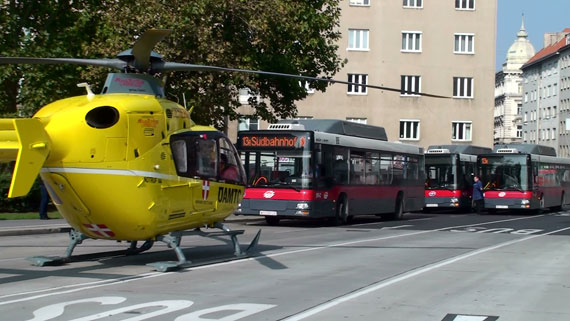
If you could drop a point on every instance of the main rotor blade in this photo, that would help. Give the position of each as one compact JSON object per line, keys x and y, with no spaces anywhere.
{"x":144,"y":45}
{"x":111,"y":63}
{"x":173,"y":66}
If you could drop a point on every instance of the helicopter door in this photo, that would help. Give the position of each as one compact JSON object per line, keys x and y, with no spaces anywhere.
{"x":207,"y":156}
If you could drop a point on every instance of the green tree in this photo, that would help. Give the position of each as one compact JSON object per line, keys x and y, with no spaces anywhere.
{"x":289,"y":36}
{"x":36,"y":28}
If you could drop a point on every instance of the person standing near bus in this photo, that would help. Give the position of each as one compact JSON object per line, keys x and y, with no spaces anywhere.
{"x":477,"y":194}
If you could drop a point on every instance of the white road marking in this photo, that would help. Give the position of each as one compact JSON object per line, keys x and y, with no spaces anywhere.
{"x":384,"y":283}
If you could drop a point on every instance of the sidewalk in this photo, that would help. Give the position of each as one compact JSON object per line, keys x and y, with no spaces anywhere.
{"x":37,"y":226}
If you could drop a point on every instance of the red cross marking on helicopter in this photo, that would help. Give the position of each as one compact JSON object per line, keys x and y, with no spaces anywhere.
{"x":205,"y":190}
{"x":100,"y":229}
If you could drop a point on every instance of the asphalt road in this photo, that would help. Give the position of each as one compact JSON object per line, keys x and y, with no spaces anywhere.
{"x":446,"y":267}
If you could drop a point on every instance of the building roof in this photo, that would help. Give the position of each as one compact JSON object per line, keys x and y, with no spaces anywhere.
{"x":548,"y":51}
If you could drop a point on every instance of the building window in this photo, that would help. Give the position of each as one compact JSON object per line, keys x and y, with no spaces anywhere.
{"x":519,"y":131}
{"x":248,"y":124}
{"x":357,"y":120}
{"x":465,"y":4}
{"x":308,"y":89}
{"x":357,"y":39}
{"x":462,"y":87}
{"x":461,"y":131}
{"x":357,"y":79}
{"x":411,"y":41}
{"x":519,"y":109}
{"x":464,"y":43}
{"x":410,"y":85}
{"x":412,"y":3}
{"x":359,"y":2}
{"x":409,"y":129}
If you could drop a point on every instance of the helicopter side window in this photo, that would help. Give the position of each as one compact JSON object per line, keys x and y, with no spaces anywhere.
{"x":206,"y":157}
{"x":195,"y":156}
{"x":179,"y":151}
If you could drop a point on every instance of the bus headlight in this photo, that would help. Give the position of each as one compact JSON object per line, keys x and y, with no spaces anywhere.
{"x":302,"y":206}
{"x":455,"y":202}
{"x":525,"y":203}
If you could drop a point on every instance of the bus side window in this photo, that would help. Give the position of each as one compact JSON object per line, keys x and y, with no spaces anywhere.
{"x":386,"y":169}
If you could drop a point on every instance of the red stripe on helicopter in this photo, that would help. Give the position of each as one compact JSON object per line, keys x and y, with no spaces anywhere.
{"x":100,"y":229}
{"x":205,"y":190}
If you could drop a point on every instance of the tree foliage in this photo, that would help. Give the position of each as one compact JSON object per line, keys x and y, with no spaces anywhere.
{"x":289,"y":36}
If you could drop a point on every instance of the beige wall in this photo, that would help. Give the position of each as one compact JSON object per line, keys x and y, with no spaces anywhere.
{"x":437,"y":64}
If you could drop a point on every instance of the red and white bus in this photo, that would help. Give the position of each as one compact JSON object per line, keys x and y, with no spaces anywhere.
{"x":524,"y":176}
{"x":328,"y":169}
{"x":450,"y":170}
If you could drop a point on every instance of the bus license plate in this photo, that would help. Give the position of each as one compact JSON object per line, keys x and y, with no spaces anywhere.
{"x":502,"y":206}
{"x":268,"y":213}
{"x":432,"y":205}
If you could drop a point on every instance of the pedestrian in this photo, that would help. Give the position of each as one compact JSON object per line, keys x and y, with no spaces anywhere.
{"x":477,"y":194}
{"x":44,"y":202}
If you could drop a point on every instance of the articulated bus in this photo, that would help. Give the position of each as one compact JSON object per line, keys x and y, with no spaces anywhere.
{"x":319,"y":168}
{"x":524,"y":176}
{"x":450,"y":170}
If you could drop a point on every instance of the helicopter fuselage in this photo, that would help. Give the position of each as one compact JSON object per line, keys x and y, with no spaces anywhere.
{"x":112,"y":174}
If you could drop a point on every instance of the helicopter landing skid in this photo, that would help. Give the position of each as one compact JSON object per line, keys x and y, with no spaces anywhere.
{"x":173,"y":241}
{"x":75,"y":238}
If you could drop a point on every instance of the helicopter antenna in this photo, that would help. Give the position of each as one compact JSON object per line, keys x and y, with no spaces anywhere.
{"x":85,"y":85}
{"x":190,"y":111}
{"x":184,"y":100}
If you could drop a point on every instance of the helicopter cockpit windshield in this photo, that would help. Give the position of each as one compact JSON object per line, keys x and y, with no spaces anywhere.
{"x":206,"y":155}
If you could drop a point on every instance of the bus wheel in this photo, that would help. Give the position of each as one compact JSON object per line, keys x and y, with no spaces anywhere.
{"x":272,"y":220}
{"x":341,"y":216}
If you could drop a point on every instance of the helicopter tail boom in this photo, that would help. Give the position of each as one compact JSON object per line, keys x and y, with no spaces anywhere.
{"x":26,"y":142}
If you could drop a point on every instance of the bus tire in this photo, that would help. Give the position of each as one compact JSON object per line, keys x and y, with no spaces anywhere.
{"x":272,"y":220}
{"x":341,"y":215}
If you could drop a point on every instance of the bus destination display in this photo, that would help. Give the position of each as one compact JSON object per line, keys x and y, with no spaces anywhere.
{"x":281,"y":141}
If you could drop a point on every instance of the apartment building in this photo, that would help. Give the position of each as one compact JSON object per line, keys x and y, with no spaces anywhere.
{"x":546,"y":87}
{"x":438,"y":47}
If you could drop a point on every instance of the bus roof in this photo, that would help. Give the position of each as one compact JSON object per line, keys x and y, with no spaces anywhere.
{"x":334,"y":126}
{"x":525,"y":149}
{"x":458,"y":149}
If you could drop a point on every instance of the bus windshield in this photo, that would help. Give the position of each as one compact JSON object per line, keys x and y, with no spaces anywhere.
{"x":280,"y":169}
{"x":504,"y":172}
{"x":441,"y":172}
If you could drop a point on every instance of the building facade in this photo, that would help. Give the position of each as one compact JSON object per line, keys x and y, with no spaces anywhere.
{"x":546,"y":86}
{"x":508,"y":117}
{"x":438,"y":47}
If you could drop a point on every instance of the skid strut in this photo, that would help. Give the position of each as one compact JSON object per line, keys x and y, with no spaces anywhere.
{"x":173,"y":241}
{"x":76,"y":238}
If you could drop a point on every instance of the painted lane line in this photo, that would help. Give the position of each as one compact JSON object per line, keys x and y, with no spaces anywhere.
{"x":144,"y":276}
{"x":406,"y":275}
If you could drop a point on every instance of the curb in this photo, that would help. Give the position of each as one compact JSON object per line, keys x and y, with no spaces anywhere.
{"x":33,"y":231}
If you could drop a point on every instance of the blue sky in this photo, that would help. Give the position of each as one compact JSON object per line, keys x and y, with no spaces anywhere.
{"x":540,"y":16}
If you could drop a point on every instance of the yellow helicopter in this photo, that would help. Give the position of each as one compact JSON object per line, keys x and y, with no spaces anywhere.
{"x":128,"y":164}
